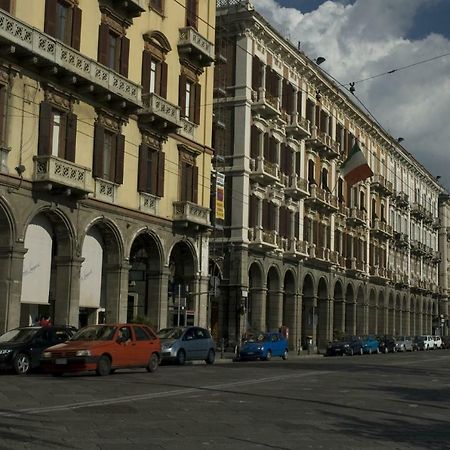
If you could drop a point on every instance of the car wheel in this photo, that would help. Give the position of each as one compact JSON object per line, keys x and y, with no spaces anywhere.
{"x":103,"y":366}
{"x":285,"y":355}
{"x":153,"y":363}
{"x":211,"y":357}
{"x":181,"y":357}
{"x":386,"y":350}
{"x":22,"y":364}
{"x":378,"y":350}
{"x":268,"y":356}
{"x":351,"y":352}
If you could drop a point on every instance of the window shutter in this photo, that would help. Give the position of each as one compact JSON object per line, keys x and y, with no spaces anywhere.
{"x":99,"y":142}
{"x":120,"y":153}
{"x":252,"y":211}
{"x":76,"y":27}
{"x":50,"y":17}
{"x":161,"y":168}
{"x":145,"y":78}
{"x":154,"y":175}
{"x":186,"y":182}
{"x":71,"y":136}
{"x":191,"y":13}
{"x":124,"y":56}
{"x":142,"y":168}
{"x":195,"y":184}
{"x":198,"y":96}
{"x":103,"y":35}
{"x":254,"y":142}
{"x":163,"y":90}
{"x":6,"y":5}
{"x":45,"y":129}
{"x":182,"y":94}
{"x":256,"y":73}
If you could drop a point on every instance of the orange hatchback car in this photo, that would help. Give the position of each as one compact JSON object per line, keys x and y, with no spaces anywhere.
{"x":104,"y":348}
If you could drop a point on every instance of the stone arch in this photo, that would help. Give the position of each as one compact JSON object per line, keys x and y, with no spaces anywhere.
{"x":398,"y":315}
{"x":338,"y":310}
{"x":8,"y":228}
{"x":309,"y":303}
{"x":391,"y":314}
{"x":290,"y":307}
{"x":274,"y":299}
{"x":381,"y":313}
{"x":373,"y":307}
{"x":350,"y":309}
{"x":361,"y":312}
{"x":256,"y":312}
{"x":323,"y":315}
{"x":159,"y":39}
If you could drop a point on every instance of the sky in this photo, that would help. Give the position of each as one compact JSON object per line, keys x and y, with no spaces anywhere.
{"x":363,"y":38}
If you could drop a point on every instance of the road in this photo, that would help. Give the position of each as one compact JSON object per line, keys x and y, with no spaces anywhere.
{"x":394,"y":401}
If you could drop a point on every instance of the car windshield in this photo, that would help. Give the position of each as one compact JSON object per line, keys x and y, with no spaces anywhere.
{"x":19,"y":335}
{"x":170,"y":333}
{"x":418,"y":339}
{"x":95,"y":333}
{"x":258,"y":338}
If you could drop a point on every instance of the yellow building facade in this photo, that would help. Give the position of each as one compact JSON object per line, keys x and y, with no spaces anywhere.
{"x":106,"y":118}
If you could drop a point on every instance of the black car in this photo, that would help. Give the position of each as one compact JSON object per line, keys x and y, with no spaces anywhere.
{"x":21,"y":348}
{"x":347,"y":345}
{"x":388,"y":344}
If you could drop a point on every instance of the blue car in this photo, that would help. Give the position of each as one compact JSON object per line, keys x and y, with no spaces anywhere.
{"x":264,"y":346}
{"x":370,"y":344}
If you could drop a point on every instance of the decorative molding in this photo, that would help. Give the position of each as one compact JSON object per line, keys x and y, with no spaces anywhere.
{"x":58,"y":98}
{"x":108,"y":121}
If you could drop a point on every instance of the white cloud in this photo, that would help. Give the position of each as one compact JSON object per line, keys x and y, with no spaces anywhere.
{"x":370,"y":37}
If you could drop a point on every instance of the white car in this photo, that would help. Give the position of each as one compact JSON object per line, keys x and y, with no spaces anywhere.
{"x":437,"y":342}
{"x":428,"y":342}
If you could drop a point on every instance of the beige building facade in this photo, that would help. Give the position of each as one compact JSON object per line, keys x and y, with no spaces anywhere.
{"x":106,"y":119}
{"x":299,"y":248}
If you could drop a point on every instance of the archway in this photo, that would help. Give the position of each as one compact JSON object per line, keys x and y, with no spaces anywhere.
{"x":381,"y":314}
{"x":412,"y":315}
{"x":398,"y":316}
{"x":290,"y":308}
{"x":405,"y":316}
{"x":373,"y":329}
{"x":256,"y":315}
{"x":361,"y":313}
{"x":391,"y":314}
{"x":350,"y":310}
{"x":309,"y":304}
{"x":323,"y":315}
{"x":274,"y":300}
{"x":338,"y":311}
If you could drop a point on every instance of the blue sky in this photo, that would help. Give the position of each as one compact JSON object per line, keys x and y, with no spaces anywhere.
{"x":363,"y":38}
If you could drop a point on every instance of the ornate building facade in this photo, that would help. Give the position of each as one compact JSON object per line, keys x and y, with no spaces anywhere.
{"x":299,"y":248}
{"x":106,"y":112}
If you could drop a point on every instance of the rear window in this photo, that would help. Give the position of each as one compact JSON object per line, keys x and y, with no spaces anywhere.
{"x":142,"y":334}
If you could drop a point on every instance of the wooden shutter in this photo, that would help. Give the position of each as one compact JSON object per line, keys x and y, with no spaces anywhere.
{"x":254,"y":142}
{"x":3,"y":113}
{"x":120,"y":154}
{"x":50,"y":17}
{"x":6,"y":5}
{"x":76,"y":27}
{"x":103,"y":35}
{"x":191,"y":13}
{"x":153,"y":155}
{"x":186,"y":182}
{"x":161,"y":169}
{"x":297,"y":225}
{"x":45,"y":129}
{"x":197,"y":101}
{"x":71,"y":136}
{"x":145,"y":77}
{"x":256,"y":73}
{"x":124,"y":56}
{"x":253,"y":212}
{"x":163,"y":90}
{"x":182,"y":94}
{"x":142,"y":168}
{"x":195,"y":184}
{"x":99,"y":143}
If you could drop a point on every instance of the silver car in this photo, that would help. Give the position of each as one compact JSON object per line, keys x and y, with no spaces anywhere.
{"x":404,"y":344}
{"x":183,"y":344}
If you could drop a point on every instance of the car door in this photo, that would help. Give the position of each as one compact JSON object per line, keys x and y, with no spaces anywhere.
{"x":41,"y":341}
{"x":275,"y":345}
{"x":145,"y":345}
{"x":201,"y":343}
{"x":122,"y":349}
{"x":189,"y":343}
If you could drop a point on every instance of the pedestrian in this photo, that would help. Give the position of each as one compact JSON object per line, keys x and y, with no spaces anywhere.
{"x":45,"y":321}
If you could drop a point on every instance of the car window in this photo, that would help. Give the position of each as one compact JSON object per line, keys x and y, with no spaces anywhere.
{"x":189,"y":335}
{"x":141,"y":334}
{"x":19,"y":335}
{"x":95,"y":333}
{"x":200,"y":333}
{"x":61,"y":335}
{"x":125,"y":333}
{"x":170,"y":333}
{"x":274,"y":338}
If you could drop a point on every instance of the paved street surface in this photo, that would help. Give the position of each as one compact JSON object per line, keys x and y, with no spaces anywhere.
{"x":395,"y":401}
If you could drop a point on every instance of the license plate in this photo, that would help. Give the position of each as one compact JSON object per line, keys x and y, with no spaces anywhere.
{"x":61,"y":361}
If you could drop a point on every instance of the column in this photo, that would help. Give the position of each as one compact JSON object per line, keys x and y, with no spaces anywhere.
{"x":309,"y":320}
{"x":290,"y":318}
{"x":260,"y":213}
{"x":275,"y":319}
{"x":323,"y":323}
{"x":202,"y":297}
{"x":116,"y":291}
{"x":258,"y":308}
{"x":157,"y":307}
{"x":338,"y":317}
{"x":67,"y":292}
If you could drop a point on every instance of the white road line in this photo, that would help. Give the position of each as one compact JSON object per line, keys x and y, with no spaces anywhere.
{"x":141,"y":397}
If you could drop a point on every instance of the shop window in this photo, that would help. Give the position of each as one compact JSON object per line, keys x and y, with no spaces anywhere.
{"x":63,"y":21}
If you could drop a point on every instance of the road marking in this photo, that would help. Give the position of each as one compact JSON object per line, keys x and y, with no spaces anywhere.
{"x":134,"y":398}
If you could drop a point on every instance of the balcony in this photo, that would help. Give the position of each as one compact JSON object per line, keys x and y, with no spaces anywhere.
{"x":43,"y":54}
{"x":296,"y":187}
{"x":298,"y":127}
{"x":159,"y":114}
{"x":381,"y":229}
{"x":323,"y":143}
{"x":436,"y":224}
{"x":61,"y":176}
{"x":379,"y":274}
{"x":381,"y":185}
{"x":295,"y":248}
{"x":195,"y":47}
{"x":264,"y":104}
{"x":401,"y":200}
{"x":400,"y":279}
{"x":355,"y":266}
{"x":320,"y":255}
{"x":191,"y":215}
{"x":260,"y":239}
{"x":264,"y":172}
{"x":321,"y":199}
{"x":417,"y":248}
{"x":401,"y":240}
{"x":418,"y":211}
{"x":132,"y":8}
{"x":357,"y":218}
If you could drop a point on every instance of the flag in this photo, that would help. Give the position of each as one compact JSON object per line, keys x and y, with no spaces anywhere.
{"x":355,"y":168}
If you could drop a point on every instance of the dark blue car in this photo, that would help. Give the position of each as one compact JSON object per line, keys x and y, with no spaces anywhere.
{"x":264,"y":346}
{"x":347,"y":345}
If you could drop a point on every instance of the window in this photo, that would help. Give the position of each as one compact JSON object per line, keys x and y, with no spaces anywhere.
{"x":141,"y":334}
{"x":157,"y":5}
{"x":154,"y":74}
{"x":189,"y":99}
{"x":191,"y":13}
{"x":63,"y":21}
{"x":57,"y":132}
{"x":188,"y":177}
{"x":113,"y":49}
{"x":109,"y":150}
{"x":311,"y":171}
{"x":324,"y":179}
{"x":151,"y":170}
{"x":5,"y":5}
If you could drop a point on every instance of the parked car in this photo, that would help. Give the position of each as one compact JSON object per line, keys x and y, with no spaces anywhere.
{"x":445,"y":341}
{"x":428,"y":342}
{"x":105,"y":348}
{"x":264,"y":346}
{"x":387,"y":344}
{"x":183,"y":344}
{"x":370,"y":344}
{"x":418,"y":343}
{"x":437,"y":342}
{"x":347,"y":345}
{"x":21,"y":348}
{"x":404,"y":344}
